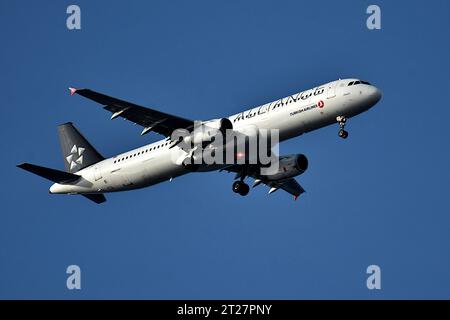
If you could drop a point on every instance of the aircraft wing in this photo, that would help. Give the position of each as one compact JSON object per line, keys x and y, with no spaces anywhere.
{"x":289,"y":185}
{"x":150,"y":119}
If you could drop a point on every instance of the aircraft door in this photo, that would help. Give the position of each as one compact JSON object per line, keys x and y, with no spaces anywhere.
{"x":97,"y":173}
{"x":331,"y":90}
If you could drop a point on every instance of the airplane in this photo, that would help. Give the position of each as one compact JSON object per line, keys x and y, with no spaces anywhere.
{"x":91,"y":175}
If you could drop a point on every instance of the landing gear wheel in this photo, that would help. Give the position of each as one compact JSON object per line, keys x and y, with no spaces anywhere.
{"x":343,"y":134}
{"x":241,"y":187}
{"x":244,"y":190}
{"x":236,"y":186}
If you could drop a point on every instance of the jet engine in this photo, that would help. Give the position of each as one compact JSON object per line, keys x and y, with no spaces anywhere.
{"x":220,"y":124}
{"x":208,"y":130}
{"x":290,"y":166}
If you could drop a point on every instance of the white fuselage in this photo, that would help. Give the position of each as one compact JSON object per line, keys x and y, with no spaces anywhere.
{"x":292,"y":116}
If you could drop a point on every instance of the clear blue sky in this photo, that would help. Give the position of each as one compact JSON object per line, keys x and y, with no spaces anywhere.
{"x":380,"y":197}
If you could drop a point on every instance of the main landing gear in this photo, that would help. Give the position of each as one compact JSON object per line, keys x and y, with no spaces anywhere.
{"x":241,"y":187}
{"x":342,"y":133}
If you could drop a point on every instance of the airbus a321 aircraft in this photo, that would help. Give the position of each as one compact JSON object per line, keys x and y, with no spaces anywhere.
{"x":89,"y":174}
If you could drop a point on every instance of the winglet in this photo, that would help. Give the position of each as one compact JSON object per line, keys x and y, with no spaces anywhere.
{"x":72,"y":91}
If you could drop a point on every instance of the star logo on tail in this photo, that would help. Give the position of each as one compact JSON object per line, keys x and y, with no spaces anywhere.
{"x":75,"y":158}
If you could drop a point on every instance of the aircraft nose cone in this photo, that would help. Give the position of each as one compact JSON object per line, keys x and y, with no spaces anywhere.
{"x":372,"y":96}
{"x":375,"y":94}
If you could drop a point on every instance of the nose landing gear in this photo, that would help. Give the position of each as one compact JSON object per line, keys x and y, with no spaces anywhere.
{"x":342,"y":133}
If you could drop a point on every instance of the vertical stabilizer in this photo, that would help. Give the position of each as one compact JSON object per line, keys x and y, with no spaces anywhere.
{"x":77,"y":152}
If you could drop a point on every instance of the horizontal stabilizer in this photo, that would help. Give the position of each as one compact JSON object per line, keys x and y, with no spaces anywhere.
{"x":50,"y":174}
{"x":97,"y":198}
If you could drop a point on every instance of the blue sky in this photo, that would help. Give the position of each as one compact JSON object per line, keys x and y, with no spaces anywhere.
{"x":380,"y":197}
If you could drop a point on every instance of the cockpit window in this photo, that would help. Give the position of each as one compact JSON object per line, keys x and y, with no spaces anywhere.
{"x":353,"y":83}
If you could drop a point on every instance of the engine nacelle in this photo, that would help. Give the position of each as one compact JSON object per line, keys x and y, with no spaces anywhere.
{"x":220,"y":124}
{"x":290,"y":166}
{"x":209,"y":129}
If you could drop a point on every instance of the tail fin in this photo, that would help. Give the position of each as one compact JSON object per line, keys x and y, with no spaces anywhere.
{"x":77,"y":152}
{"x":50,"y":174}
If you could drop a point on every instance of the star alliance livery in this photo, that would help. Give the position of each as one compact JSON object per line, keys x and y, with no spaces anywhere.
{"x":91,"y":175}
